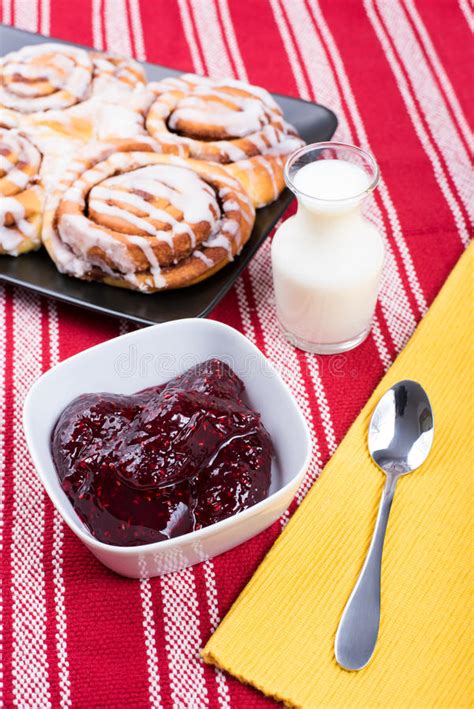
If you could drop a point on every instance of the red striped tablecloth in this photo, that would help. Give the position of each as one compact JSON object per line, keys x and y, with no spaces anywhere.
{"x":399,"y":76}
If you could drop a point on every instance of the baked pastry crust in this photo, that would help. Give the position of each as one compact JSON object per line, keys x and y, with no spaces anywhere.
{"x":150,"y":221}
{"x":21,"y":193}
{"x":72,"y":91}
{"x":56,"y":100}
{"x":32,"y":158}
{"x":227,"y":122}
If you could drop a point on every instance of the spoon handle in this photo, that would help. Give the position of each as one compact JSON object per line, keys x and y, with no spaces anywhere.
{"x":356,"y":636}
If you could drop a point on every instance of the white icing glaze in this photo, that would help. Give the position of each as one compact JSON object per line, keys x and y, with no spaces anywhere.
{"x":230,"y":205}
{"x":204,"y":82}
{"x":10,"y":240}
{"x":205,"y":259}
{"x":12,"y":207}
{"x":286,"y":146}
{"x":269,"y":169}
{"x":136,"y":188}
{"x":19,"y":150}
{"x":78,"y":232}
{"x":180,"y":186}
{"x":55,"y":76}
{"x":232,"y":151}
{"x":246,"y":115}
{"x":75,"y":194}
{"x":18,"y":178}
{"x":104,"y":193}
{"x":251,"y":114}
{"x":220,"y":241}
{"x":243,"y":197}
{"x":232,"y":227}
{"x":117,"y":122}
{"x":5,"y":164}
{"x":68,"y":70}
{"x":249,"y":167}
{"x":155,"y":270}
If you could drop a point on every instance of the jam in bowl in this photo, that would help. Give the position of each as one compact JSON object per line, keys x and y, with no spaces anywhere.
{"x":154,"y":355}
{"x":165,"y":461}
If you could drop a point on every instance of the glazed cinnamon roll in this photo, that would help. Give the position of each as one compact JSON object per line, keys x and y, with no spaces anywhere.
{"x":65,"y":88}
{"x":145,"y":220}
{"x":21,"y":193}
{"x":227,"y":122}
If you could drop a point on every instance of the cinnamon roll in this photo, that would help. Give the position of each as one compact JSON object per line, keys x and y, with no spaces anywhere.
{"x":227,"y":122}
{"x":145,"y":220}
{"x":66,"y":89}
{"x":21,"y":193}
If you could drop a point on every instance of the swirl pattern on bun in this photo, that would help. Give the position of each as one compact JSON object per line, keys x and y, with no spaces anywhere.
{"x":45,"y":77}
{"x":79,"y":94}
{"x":145,"y":220}
{"x":228,"y":122}
{"x":21,"y":193}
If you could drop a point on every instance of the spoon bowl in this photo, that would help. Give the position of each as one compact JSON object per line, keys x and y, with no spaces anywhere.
{"x":401,"y":429}
{"x":400,"y":438}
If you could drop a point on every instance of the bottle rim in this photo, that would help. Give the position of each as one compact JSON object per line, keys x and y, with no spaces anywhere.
{"x":337,"y":146}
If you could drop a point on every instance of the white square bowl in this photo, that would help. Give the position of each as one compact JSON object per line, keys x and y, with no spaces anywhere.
{"x":147,"y":358}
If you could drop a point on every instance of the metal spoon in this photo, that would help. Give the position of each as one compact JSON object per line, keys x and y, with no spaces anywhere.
{"x":400,"y":438}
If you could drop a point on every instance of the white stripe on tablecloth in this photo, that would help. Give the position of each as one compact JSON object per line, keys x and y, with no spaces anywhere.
{"x":137,"y":30}
{"x":244,"y":309}
{"x":466,"y":10}
{"x":213,"y":608}
{"x":26,"y":15}
{"x":45,"y":18}
{"x":446,"y":85}
{"x":3,"y":413}
{"x":97,"y":29}
{"x":415,"y":116}
{"x":324,"y":409}
{"x":301,"y":83}
{"x":232,"y":39}
{"x":443,"y":130}
{"x":57,"y":550}
{"x":190,"y":35}
{"x":150,"y":643}
{"x":393,"y":298}
{"x":7,"y":12}
{"x":183,"y":640}
{"x":29,"y":657}
{"x":213,"y":47}
{"x":117,"y":36}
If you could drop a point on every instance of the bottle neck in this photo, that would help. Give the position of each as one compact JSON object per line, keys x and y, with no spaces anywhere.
{"x":323,"y":220}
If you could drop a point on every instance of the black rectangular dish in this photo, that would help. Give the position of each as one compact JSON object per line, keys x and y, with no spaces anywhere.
{"x":37,"y":272}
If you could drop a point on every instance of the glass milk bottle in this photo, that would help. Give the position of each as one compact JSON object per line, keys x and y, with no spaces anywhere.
{"x":327,"y":259}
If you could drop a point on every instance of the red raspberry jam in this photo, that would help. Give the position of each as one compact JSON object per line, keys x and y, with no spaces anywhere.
{"x":165,"y":461}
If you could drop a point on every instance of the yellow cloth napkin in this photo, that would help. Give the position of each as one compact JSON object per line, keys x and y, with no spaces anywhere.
{"x":279,"y":635}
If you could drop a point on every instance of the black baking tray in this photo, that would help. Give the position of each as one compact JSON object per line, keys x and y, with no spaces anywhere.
{"x":37,"y":272}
